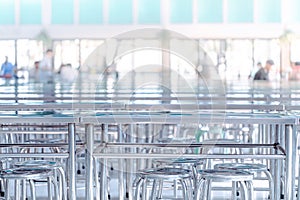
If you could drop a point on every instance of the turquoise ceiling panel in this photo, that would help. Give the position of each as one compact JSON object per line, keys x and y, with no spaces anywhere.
{"x":30,"y":11}
{"x":149,"y":11}
{"x":240,"y":11}
{"x":7,"y":12}
{"x":90,"y":11}
{"x":62,"y":11}
{"x":210,"y":11}
{"x":120,"y":12}
{"x":181,"y":11}
{"x":268,"y":11}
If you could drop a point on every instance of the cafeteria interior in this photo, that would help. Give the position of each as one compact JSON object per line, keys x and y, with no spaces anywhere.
{"x":149,"y":100}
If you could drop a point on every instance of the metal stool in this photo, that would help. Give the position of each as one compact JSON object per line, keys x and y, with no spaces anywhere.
{"x":185,"y":163}
{"x":43,"y":141}
{"x":26,"y":175}
{"x":242,"y":178}
{"x":158,"y":176}
{"x":58,"y":172}
{"x":252,"y":168}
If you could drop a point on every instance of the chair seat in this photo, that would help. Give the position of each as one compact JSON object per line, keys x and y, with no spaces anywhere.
{"x":226,"y":175}
{"x":182,"y":161}
{"x":37,"y":163}
{"x":242,"y":166}
{"x":166,"y":173}
{"x":25,"y":173}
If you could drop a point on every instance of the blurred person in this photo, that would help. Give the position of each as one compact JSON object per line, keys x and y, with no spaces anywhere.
{"x":263,"y":73}
{"x":254,"y":70}
{"x":46,"y":67}
{"x":46,"y":76}
{"x":34,"y":72}
{"x":8,"y":70}
{"x":67,"y":73}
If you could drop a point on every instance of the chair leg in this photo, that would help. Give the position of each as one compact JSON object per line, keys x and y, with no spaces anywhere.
{"x":154,"y":186}
{"x":184,"y":190}
{"x":63,"y":183}
{"x":138,"y":188}
{"x":271,"y":184}
{"x":160,"y":189}
{"x":32,"y":189}
{"x":24,"y":190}
{"x":7,"y":191}
{"x":17,"y":189}
{"x":234,"y":190}
{"x":244,"y":189}
{"x":249,"y":185}
{"x":49,"y":181}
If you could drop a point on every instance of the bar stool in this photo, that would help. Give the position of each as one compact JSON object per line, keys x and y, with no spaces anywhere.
{"x":58,"y":173}
{"x":252,"y":168}
{"x":185,"y":163}
{"x":43,"y":141}
{"x":25,"y":175}
{"x":242,"y":178}
{"x":158,"y":176}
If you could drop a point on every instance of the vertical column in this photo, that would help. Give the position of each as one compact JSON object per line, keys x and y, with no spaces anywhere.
{"x":17,"y":12}
{"x":72,"y":162}
{"x":89,"y":187}
{"x":122,"y":169}
{"x":103,"y":167}
{"x":130,"y":163}
{"x":290,"y":161}
{"x":76,"y":12}
{"x":166,"y":65}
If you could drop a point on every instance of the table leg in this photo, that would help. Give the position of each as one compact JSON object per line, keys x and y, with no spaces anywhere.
{"x":72,"y":161}
{"x":89,"y":187}
{"x":291,"y":151}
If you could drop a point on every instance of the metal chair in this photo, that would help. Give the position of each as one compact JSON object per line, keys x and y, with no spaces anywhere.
{"x":252,"y":168}
{"x":25,"y":175}
{"x":58,"y":173}
{"x":241,"y":178}
{"x":158,"y":176}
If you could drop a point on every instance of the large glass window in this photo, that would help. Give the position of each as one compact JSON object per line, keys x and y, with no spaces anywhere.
{"x":120,"y":12}
{"x":268,"y":11}
{"x":268,"y":49}
{"x":30,"y":12}
{"x":90,"y":11}
{"x":7,"y":49}
{"x":239,"y":61}
{"x":210,"y":11}
{"x":87,"y":61}
{"x":29,"y":51}
{"x":149,"y":11}
{"x":66,"y":52}
{"x":294,"y":14}
{"x":240,"y":11}
{"x":181,"y":11}
{"x":7,"y":12}
{"x":62,"y":11}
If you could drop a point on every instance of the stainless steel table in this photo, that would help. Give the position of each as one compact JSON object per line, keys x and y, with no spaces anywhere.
{"x":70,"y":122}
{"x":285,"y":137}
